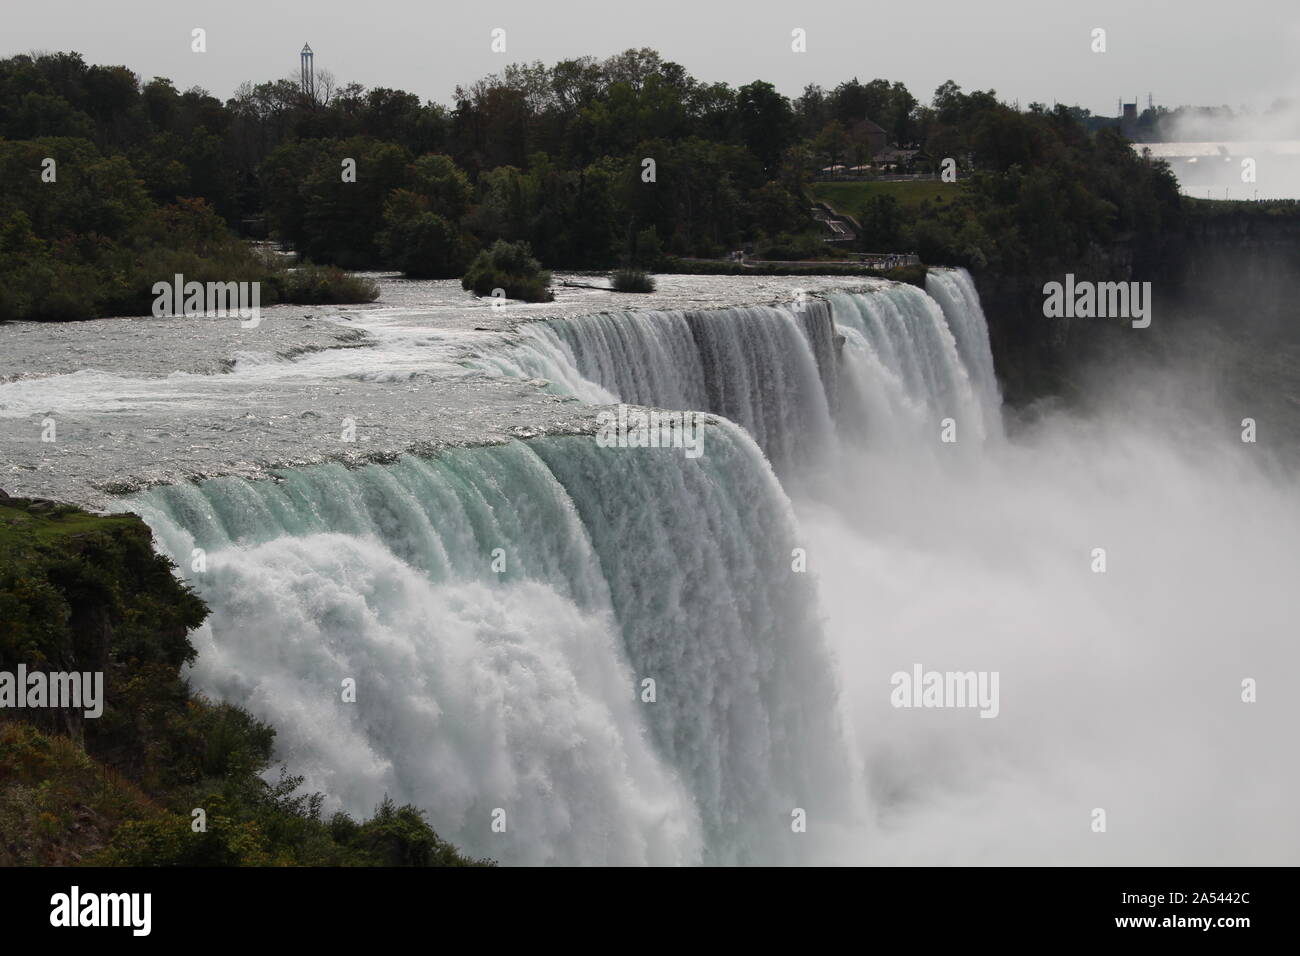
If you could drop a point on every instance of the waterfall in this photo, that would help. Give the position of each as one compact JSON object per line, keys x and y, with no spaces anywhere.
{"x":910,"y":358}
{"x":911,"y":361}
{"x":617,"y":647}
{"x":955,"y":292}
{"x":763,"y":367}
{"x":500,"y":609}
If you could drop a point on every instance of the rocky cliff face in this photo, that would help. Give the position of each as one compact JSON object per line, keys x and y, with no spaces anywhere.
{"x":1237,"y":264}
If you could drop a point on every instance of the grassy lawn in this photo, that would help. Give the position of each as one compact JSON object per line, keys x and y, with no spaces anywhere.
{"x":850,"y":197}
{"x":20,"y":526}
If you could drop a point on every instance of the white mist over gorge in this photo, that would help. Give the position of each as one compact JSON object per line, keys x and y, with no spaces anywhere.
{"x":500,"y":587}
{"x":1218,"y":154}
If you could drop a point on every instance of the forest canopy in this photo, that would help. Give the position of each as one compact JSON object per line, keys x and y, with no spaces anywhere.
{"x":152,"y":180}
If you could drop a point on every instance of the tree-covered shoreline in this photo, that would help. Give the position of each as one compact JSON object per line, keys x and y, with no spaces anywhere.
{"x":627,"y":162}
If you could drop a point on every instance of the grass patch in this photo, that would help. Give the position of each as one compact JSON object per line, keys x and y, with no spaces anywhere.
{"x":849,"y":198}
{"x":25,"y":523}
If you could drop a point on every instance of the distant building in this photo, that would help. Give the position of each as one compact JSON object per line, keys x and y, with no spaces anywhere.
{"x":899,"y":159}
{"x":867,"y":135}
{"x":1128,"y":122}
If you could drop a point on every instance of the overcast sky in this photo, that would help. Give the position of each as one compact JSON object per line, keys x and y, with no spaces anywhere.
{"x":1185,"y":52}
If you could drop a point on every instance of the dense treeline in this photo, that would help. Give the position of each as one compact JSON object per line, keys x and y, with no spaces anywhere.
{"x":1038,"y":191}
{"x":84,"y":593}
{"x":92,"y":242}
{"x":554,"y":157}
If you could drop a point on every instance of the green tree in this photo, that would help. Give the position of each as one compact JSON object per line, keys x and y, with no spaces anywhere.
{"x":767,"y":123}
{"x":508,"y":266}
{"x":421,"y":243}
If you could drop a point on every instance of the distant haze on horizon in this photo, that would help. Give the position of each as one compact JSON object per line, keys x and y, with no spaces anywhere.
{"x":1192,"y":53}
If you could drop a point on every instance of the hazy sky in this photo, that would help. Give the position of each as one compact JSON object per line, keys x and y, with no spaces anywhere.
{"x":1197,"y":52}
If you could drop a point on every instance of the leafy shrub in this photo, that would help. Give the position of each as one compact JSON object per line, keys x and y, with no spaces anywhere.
{"x":399,"y":836}
{"x":631,"y":280}
{"x":321,"y":285}
{"x":509,"y":266}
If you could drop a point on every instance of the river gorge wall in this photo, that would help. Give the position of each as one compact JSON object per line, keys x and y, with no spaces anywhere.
{"x":1232,"y":266}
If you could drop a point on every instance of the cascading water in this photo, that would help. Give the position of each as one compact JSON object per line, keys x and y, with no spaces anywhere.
{"x":513,"y":678}
{"x":500,"y":609}
{"x":767,"y":368}
{"x":909,"y":360}
{"x":955,"y":292}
